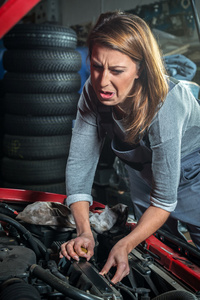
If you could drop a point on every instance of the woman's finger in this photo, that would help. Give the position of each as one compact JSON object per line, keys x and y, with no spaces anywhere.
{"x":107,"y":267}
{"x":67,"y":250}
{"x":122,"y":271}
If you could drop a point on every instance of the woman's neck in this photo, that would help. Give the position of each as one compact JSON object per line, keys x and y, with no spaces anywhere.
{"x":119,"y":112}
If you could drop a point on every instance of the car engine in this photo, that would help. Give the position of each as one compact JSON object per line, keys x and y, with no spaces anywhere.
{"x":30,"y":267}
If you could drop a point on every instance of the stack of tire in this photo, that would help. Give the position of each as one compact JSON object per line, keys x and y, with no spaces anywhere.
{"x":41,"y":86}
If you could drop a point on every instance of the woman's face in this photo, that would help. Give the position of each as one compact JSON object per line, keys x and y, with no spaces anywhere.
{"x":113,"y":74}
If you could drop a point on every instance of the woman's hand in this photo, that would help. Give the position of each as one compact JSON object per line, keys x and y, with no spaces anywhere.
{"x":81,"y":246}
{"x":152,"y":219}
{"x":118,"y":257}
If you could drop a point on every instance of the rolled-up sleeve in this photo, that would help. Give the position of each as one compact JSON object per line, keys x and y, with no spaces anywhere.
{"x":85,"y":149}
{"x":165,"y":136}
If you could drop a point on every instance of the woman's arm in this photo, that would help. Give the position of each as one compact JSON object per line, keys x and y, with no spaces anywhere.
{"x":74,"y":248}
{"x":151,"y":221}
{"x":85,"y":149}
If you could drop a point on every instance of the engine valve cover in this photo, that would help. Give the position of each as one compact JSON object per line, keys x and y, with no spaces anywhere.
{"x":15,"y":261}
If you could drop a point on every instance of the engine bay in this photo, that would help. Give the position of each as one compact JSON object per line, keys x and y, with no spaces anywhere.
{"x":30,"y":267}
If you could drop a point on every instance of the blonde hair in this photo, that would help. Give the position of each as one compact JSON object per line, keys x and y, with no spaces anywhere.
{"x":132,"y":36}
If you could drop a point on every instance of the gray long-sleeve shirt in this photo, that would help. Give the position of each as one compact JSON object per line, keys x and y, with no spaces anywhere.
{"x":173,"y":134}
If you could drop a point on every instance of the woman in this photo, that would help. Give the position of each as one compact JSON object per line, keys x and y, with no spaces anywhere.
{"x":154,"y":125}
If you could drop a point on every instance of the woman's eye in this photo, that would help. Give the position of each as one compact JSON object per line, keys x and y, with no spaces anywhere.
{"x":117,"y":71}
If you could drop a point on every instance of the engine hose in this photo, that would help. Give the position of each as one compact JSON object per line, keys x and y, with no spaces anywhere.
{"x":63,"y":287}
{"x":25,"y":233}
{"x":41,"y":247}
{"x":52,"y":266}
{"x":176,"y":295}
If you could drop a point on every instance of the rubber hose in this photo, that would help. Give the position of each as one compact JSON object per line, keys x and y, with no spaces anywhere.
{"x":41,"y":246}
{"x":61,"y":286}
{"x":26,"y":234}
{"x":176,"y":295}
{"x":52,"y":266}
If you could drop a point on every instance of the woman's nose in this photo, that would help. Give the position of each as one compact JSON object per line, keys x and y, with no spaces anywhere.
{"x":104,"y":80}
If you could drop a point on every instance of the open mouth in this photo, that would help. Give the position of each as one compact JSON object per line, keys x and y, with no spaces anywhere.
{"x":106,"y":95}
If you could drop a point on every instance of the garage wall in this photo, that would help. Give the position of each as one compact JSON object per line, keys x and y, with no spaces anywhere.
{"x":75,"y":12}
{"x":83,"y":11}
